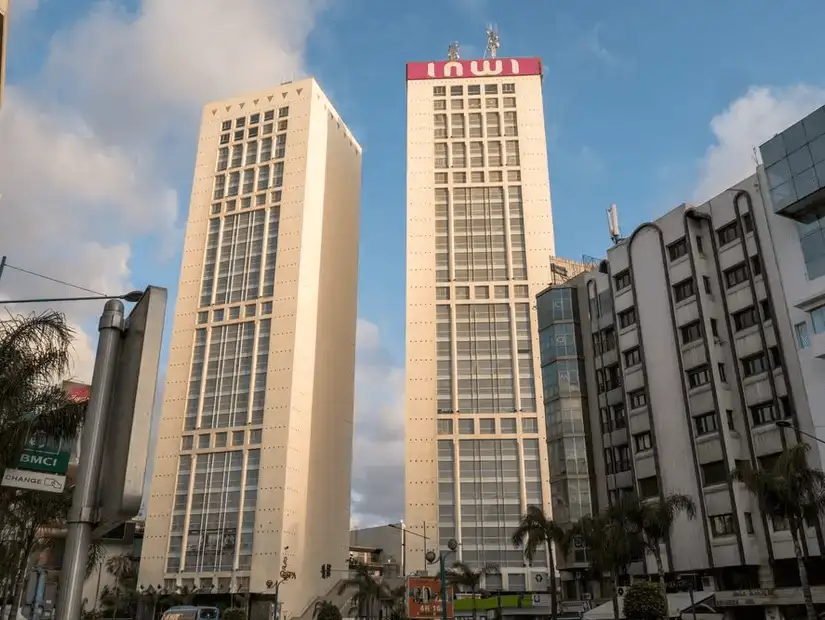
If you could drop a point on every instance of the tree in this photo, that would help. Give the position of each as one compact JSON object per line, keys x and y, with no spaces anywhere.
{"x":239,"y":613}
{"x":326,"y":610}
{"x":35,"y":353}
{"x":467,"y":579}
{"x":368,"y":593}
{"x":536,"y":529}
{"x":612,"y":541}
{"x":122,"y":568}
{"x":793,"y":492}
{"x":645,"y":601}
{"x":654,"y":521}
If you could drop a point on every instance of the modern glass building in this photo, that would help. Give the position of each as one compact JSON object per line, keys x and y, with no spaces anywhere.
{"x":254,"y":451}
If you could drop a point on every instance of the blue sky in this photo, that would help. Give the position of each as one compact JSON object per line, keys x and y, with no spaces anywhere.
{"x":648,"y":104}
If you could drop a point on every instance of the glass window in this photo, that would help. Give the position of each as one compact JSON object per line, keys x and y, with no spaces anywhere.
{"x":508,"y":426}
{"x":220,"y":440}
{"x":487,"y":426}
{"x":803,"y":339}
{"x":530,"y":425}
{"x":204,"y":441}
{"x":466,"y":427}
{"x":812,"y":242}
{"x":187,"y":442}
{"x":237,"y":438}
{"x":255,"y":436}
{"x":445,"y":426}
{"x":722,"y":525}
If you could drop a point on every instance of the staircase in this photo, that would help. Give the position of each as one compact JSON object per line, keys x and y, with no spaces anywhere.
{"x":341,"y":601}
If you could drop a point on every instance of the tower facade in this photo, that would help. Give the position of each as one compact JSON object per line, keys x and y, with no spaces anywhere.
{"x":255,"y":439}
{"x":479,"y":238}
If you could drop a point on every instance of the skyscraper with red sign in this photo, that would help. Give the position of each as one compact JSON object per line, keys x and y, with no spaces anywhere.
{"x":479,"y":239}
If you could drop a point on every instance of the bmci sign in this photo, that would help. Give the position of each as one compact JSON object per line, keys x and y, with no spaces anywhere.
{"x":44,"y":455}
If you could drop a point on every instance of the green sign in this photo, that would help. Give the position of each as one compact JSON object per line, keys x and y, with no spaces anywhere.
{"x":45,"y":454}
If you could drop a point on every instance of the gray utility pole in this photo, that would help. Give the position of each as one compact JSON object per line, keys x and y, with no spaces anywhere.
{"x":83,"y":513}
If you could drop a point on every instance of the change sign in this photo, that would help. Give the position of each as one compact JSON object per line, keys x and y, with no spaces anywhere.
{"x":41,"y":466}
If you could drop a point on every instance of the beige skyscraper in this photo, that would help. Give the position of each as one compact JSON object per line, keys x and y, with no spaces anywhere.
{"x":479,"y":241}
{"x":255,"y":439}
{"x":4,"y":31}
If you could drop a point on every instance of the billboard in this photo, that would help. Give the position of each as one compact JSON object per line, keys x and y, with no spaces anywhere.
{"x":424,"y":598}
{"x":487,"y":67}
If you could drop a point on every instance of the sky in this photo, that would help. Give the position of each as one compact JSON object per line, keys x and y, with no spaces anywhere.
{"x":648,"y":104}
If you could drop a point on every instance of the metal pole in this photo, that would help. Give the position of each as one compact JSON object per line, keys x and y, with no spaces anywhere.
{"x":40,"y":591}
{"x":692,"y":602}
{"x":2,"y":265}
{"x":404,"y":549}
{"x":442,"y":560}
{"x":276,"y":614}
{"x":84,"y":501}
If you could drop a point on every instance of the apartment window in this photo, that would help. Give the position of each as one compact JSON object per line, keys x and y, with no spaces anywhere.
{"x":776,"y":357}
{"x":283,"y":112}
{"x":707,"y":285}
{"x":441,"y":178}
{"x":803,"y":339}
{"x":714,"y":473}
{"x":745,"y":318}
{"x":459,"y":155}
{"x":754,"y":365}
{"x":225,"y":138}
{"x":491,"y":89}
{"x":440,"y":124}
{"x":765,"y":306}
{"x":605,"y":419}
{"x":487,"y":426}
{"x":510,"y":123}
{"x":698,"y":377}
{"x":731,"y":422}
{"x":508,"y":88}
{"x":282,"y":125}
{"x":457,"y":104}
{"x":456,"y":91}
{"x":648,"y":487}
{"x":618,"y":460}
{"x":622,"y":280}
{"x":445,"y":426}
{"x":491,"y":102}
{"x":441,"y":155}
{"x":728,"y":234}
{"x":722,"y":374}
{"x":756,"y":266}
{"x":699,"y":245}
{"x":678,"y":249}
{"x":474,"y":103}
{"x":818,"y":319}
{"x":269,"y":115}
{"x":226,"y":125}
{"x":627,"y":318}
{"x":240,"y":122}
{"x":748,"y":516}
{"x":637,"y":399}
{"x":691,"y":332}
{"x":511,"y":153}
{"x":747,"y":222}
{"x":722,"y":525}
{"x":474,"y":89}
{"x":508,"y":426}
{"x":632,"y":357}
{"x":238,"y":135}
{"x":643,"y":441}
{"x":705,"y":423}
{"x":509,"y":102}
{"x":764,"y":413}
{"x":187,"y":442}
{"x":457,"y":125}
{"x":608,"y":378}
{"x":683,"y":290}
{"x":736,"y":275}
{"x":619,"y":417}
{"x":604,"y":341}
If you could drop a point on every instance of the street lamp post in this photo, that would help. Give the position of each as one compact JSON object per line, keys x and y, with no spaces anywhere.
{"x":787,"y":424}
{"x":286,"y":575}
{"x":431,"y":558}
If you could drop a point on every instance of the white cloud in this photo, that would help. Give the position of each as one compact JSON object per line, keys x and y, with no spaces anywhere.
{"x":84,"y":148}
{"x":747,"y":123}
{"x":378,"y":450}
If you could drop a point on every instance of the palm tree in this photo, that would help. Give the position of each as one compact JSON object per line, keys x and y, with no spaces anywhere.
{"x":534,"y":530}
{"x":654,"y":521}
{"x":468,"y":579}
{"x":326,"y":610}
{"x":792,"y":491}
{"x":35,"y":353}
{"x":368,"y":593}
{"x":122,"y":568}
{"x":612,"y":541}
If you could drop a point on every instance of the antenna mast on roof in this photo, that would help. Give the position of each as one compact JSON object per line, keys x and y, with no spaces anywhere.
{"x":613,"y":224}
{"x":493,"y":42}
{"x":452,"y":51}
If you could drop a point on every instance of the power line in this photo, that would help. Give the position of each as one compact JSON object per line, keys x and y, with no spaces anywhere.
{"x":63,"y":282}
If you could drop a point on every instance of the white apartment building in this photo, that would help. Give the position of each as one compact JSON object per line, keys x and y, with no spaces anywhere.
{"x":255,"y":440}
{"x":668,"y":366}
{"x":479,"y":233}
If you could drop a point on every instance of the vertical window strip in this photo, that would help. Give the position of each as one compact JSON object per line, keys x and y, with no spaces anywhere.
{"x":444,"y":379}
{"x":524,"y":344}
{"x":249,"y":504}
{"x":517,"y":246}
{"x":193,"y":399}
{"x":271,"y":252}
{"x":442,"y":235}
{"x":208,"y":281}
{"x":176,"y":530}
{"x":261,"y":367}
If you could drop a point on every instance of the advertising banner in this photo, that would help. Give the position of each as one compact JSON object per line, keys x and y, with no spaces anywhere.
{"x":424,"y":598}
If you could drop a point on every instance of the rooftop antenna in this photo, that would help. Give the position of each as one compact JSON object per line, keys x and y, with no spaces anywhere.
{"x":493,"y":42}
{"x":613,"y":224}
{"x":452,"y":51}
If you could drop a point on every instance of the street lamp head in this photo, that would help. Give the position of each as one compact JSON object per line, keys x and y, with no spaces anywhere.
{"x":430,"y":556}
{"x":132,"y":296}
{"x":269,"y":583}
{"x":784,"y":424}
{"x":452,"y":544}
